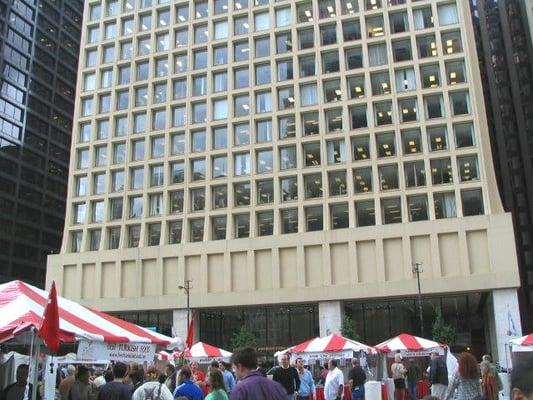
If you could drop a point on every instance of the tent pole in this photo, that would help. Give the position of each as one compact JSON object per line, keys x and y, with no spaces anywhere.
{"x":30,"y":366}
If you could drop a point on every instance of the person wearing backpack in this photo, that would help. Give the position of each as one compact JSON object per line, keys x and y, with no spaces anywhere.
{"x":152,"y":389}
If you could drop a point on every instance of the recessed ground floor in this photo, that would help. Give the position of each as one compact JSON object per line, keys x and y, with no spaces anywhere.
{"x":481,"y":321}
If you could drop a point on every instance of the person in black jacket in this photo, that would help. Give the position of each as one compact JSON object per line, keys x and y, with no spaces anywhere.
{"x":357,"y":378}
{"x":438,"y":375}
{"x":15,"y":391}
{"x":288,"y":377}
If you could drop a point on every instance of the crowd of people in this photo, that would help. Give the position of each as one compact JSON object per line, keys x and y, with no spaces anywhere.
{"x":243,"y":380}
{"x":471,"y":381}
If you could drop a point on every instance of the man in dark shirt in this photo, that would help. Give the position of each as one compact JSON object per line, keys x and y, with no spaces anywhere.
{"x":116,"y":389}
{"x":288,"y":377}
{"x":438,"y":375}
{"x":16,"y":390}
{"x":357,"y":378}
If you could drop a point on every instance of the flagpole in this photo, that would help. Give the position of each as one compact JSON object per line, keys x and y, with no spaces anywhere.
{"x":35,"y":376}
{"x":32,"y":368}
{"x":27,"y":388}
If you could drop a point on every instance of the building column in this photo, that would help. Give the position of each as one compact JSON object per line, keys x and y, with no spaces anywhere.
{"x":504,"y":324}
{"x":179,"y":324}
{"x":330,"y":317}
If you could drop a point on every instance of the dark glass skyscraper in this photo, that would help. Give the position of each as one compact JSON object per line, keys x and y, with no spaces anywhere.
{"x":39,"y":46}
{"x":506,"y":61}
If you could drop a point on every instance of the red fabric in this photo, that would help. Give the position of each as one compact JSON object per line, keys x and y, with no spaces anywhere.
{"x":212,"y":351}
{"x":26,"y":307}
{"x":335,"y":343}
{"x":384,"y":393}
{"x":74,"y":319}
{"x":49,"y":330}
{"x":423,"y":388}
{"x":410,"y":342}
{"x":327,"y":344}
{"x":199,"y":378}
{"x":405,"y":341}
{"x":190,"y":333}
{"x":301,"y":347}
{"x":203,"y":350}
{"x":528,"y":341}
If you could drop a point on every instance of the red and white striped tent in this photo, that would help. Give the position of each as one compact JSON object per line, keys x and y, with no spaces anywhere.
{"x":21,"y":309}
{"x":410,"y":345}
{"x":166,"y":356}
{"x":524,"y":343}
{"x":325,"y":347}
{"x":200,"y":352}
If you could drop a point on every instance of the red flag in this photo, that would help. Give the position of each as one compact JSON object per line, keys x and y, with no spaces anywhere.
{"x":49,"y":330}
{"x":190,"y":332}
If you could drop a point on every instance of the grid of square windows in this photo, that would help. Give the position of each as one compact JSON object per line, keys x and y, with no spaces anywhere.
{"x":329,"y":96}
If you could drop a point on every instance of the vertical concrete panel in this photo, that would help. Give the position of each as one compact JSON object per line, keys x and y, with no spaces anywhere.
{"x":330,"y":317}
{"x":150,"y":281}
{"x":421,"y":253}
{"x":129,"y":279}
{"x":192,"y":272}
{"x":88,"y":281}
{"x":170,"y":275}
{"x":393,"y":254}
{"x":340,"y":267}
{"x":478,"y":251}
{"x":450,"y":259}
{"x":287,"y":268}
{"x":110,"y":288}
{"x":507,"y":324}
{"x":366,"y":261}
{"x":69,"y":282}
{"x":238,"y":271}
{"x":313,"y":265}
{"x":215,"y":273}
{"x":263,"y":269}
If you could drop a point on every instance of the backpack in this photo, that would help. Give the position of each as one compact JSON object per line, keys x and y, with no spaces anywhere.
{"x":149,"y":394}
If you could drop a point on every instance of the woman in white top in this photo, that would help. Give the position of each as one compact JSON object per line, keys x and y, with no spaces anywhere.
{"x":152,"y":389}
{"x":398,"y":374}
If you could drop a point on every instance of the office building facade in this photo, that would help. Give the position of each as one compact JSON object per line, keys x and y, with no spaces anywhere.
{"x":293,"y":159}
{"x":39,"y":46}
{"x":506,"y":59}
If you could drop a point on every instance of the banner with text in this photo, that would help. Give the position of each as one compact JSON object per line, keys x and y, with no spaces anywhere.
{"x":125,"y":352}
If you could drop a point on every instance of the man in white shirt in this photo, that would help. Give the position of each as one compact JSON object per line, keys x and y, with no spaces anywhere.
{"x":334,"y":385}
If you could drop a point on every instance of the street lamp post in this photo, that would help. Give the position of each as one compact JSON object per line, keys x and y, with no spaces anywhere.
{"x":417,"y":269}
{"x":186,"y":287}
